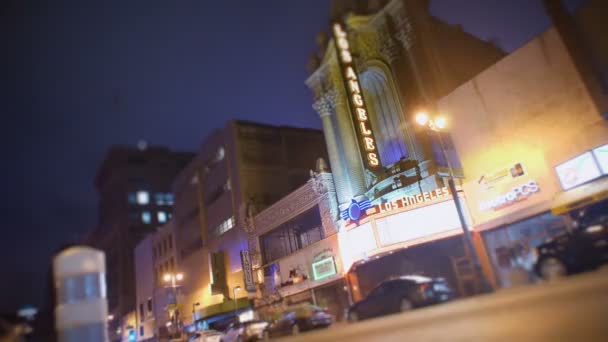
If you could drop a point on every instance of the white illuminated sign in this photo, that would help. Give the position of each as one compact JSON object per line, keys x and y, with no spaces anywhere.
{"x":355,"y":97}
{"x":517,"y":194}
{"x":577,"y":171}
{"x":601,"y":155}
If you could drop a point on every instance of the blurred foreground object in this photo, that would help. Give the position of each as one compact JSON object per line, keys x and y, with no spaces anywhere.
{"x":81,"y":308}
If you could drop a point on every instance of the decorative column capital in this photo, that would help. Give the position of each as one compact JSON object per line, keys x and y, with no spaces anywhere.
{"x":326,"y":103}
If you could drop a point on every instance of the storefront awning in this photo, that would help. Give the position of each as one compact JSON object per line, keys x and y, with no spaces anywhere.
{"x":581,"y":196}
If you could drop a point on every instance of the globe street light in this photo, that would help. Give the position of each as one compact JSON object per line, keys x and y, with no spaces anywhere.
{"x":436,"y":125}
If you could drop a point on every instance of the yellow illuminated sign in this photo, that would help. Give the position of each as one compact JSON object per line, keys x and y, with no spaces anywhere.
{"x":355,"y":96}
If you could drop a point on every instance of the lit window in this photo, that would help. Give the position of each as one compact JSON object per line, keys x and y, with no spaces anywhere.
{"x":146,"y":217}
{"x":161,"y":216}
{"x":132,"y":198}
{"x":220,"y":154}
{"x":169,"y":216}
{"x":143,"y":197}
{"x":224,"y":226}
{"x":159,"y":198}
{"x":227,"y":185}
{"x":169,"y":199}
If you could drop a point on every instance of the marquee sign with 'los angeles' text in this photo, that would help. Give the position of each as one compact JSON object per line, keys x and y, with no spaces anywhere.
{"x":355,"y":97}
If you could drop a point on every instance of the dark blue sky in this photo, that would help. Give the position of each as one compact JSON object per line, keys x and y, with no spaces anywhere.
{"x":78,"y":76}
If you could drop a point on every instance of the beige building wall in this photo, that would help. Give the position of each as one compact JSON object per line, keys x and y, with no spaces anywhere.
{"x":530,"y":108}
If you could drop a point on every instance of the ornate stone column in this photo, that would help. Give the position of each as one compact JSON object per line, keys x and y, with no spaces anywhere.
{"x":325,"y":106}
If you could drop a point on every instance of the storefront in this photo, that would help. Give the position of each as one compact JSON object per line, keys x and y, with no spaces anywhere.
{"x":313,"y":275}
{"x":419,"y":234}
{"x":520,"y":207}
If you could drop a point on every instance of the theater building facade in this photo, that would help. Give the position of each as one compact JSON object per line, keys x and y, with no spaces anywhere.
{"x":380,"y":63}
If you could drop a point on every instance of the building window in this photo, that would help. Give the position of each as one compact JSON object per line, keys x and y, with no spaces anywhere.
{"x":219,"y":156}
{"x":141,"y":311}
{"x":227,"y":185}
{"x":170,"y":242}
{"x":132,"y":198}
{"x":149,"y":305}
{"x":143,"y":197}
{"x":293,"y":235}
{"x":169,"y":199}
{"x":141,"y":330}
{"x":224,"y":226}
{"x":159,"y":198}
{"x":161,"y":216}
{"x":146,"y":217}
{"x":171,"y":263}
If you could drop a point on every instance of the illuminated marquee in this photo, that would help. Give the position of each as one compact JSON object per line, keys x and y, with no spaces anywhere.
{"x":355,"y":96}
{"x":406,"y":201}
{"x":399,"y":203}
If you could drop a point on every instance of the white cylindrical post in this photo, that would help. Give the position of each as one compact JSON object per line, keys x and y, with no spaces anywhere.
{"x":81,"y":309}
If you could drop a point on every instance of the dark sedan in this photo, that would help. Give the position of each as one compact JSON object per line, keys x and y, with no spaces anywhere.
{"x":399,"y":295}
{"x":583,"y":248}
{"x":298,"y":318}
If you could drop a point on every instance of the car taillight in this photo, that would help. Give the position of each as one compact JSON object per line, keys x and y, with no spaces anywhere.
{"x":425,"y":289}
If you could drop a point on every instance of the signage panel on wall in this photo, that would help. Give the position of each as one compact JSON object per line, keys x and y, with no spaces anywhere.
{"x":247,"y":271}
{"x":601,"y":155}
{"x":324,"y":268}
{"x":578,"y":170}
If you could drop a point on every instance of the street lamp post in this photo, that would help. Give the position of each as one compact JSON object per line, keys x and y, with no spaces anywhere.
{"x":234,"y":290}
{"x":194,"y":305}
{"x":436,"y":126}
{"x":172,"y":279}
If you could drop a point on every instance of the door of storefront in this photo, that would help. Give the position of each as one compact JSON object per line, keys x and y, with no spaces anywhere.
{"x":334,"y":297}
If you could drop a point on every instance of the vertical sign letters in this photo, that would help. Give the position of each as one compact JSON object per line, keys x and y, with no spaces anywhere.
{"x":355,"y":97}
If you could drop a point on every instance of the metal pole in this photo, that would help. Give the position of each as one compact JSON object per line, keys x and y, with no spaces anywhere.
{"x":485,"y":284}
{"x":235,"y":303}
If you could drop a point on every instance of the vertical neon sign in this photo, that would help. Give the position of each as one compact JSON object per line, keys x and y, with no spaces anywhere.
{"x":355,"y":97}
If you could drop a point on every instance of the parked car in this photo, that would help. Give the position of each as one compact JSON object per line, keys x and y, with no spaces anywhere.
{"x":401,"y":294}
{"x":581,"y":249}
{"x":206,"y":336}
{"x":245,"y":332}
{"x":297,"y":318}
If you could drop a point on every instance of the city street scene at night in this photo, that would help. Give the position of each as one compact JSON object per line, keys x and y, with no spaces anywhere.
{"x":325,"y":170}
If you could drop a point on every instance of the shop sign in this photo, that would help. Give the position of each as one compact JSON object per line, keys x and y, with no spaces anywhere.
{"x":601,"y":155}
{"x":578,"y":170}
{"x":247,"y":271}
{"x":518,"y":193}
{"x":405,"y":201}
{"x":355,"y":96}
{"x":489,"y":180}
{"x":324,"y":268}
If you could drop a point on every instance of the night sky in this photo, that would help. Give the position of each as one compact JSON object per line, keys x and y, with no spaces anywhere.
{"x":78,"y":76}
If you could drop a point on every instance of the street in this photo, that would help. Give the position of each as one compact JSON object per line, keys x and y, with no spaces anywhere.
{"x":573,"y":309}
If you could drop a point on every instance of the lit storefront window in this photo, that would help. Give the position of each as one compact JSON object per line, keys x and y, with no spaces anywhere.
{"x":601,"y":155}
{"x":578,"y":170}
